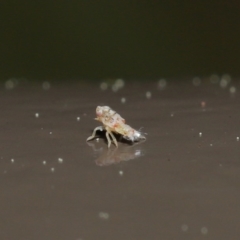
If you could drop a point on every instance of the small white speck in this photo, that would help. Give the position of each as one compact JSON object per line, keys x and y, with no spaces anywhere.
{"x":196,"y":81}
{"x":78,"y":118}
{"x":184,"y":227}
{"x":5,"y":171}
{"x":237,"y":138}
{"x":103,"y":215}
{"x":44,"y":162}
{"x":12,"y":160}
{"x":232,"y":89}
{"x":118,"y":84}
{"x":204,"y":230}
{"x":123,"y":100}
{"x":10,"y":84}
{"x":223,"y":83}
{"x":203,"y":104}
{"x":162,"y":83}
{"x":36,"y":115}
{"x":220,"y":165}
{"x":172,"y":114}
{"x":200,"y":134}
{"x":225,"y":80}
{"x":120,"y":173}
{"x":50,"y":132}
{"x":46,"y":85}
{"x":211,"y":145}
{"x":138,"y":152}
{"x":97,"y":139}
{"x":52,"y":169}
{"x":104,"y":86}
{"x":60,"y":160}
{"x":148,"y":95}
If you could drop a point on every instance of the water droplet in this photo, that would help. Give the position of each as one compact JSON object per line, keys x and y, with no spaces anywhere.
{"x":104,"y":86}
{"x":46,"y":85}
{"x":184,"y":227}
{"x":123,"y":100}
{"x":118,"y":84}
{"x":203,"y":104}
{"x":148,"y":95}
{"x":204,"y":230}
{"x":162,"y":83}
{"x":225,"y":80}
{"x":10,"y":84}
{"x":103,"y":215}
{"x":232,"y":89}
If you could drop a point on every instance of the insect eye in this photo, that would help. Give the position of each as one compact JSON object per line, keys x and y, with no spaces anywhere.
{"x":99,"y":111}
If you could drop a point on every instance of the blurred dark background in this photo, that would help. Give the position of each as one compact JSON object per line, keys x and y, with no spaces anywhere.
{"x":109,"y":39}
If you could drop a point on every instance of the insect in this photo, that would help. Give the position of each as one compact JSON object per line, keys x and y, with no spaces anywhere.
{"x":113,"y":122}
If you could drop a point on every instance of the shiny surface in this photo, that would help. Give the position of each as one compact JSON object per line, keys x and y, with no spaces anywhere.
{"x":181,"y":183}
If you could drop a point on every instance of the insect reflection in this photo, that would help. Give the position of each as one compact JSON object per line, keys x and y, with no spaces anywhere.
{"x":106,"y":157}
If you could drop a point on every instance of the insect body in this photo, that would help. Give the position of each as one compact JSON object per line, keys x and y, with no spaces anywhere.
{"x":113,"y":122}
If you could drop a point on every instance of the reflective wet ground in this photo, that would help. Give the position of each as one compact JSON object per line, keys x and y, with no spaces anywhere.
{"x":183,"y":182}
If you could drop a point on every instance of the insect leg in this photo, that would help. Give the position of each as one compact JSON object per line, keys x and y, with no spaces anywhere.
{"x":108,"y":139}
{"x":100,"y":128}
{"x":114,"y":139}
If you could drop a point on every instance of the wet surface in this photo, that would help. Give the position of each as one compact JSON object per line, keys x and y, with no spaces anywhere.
{"x":181,"y":183}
